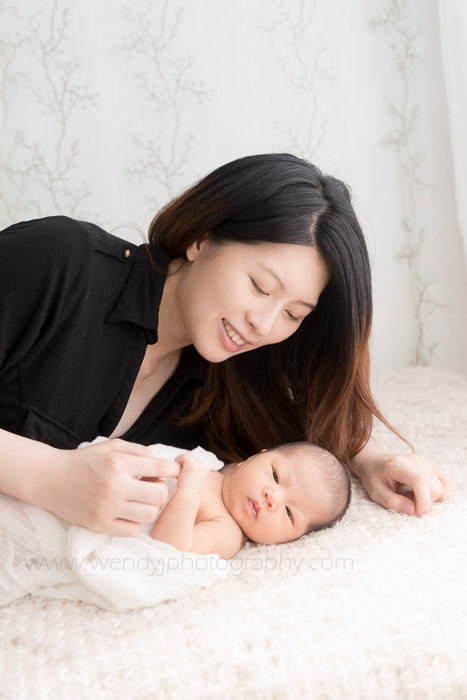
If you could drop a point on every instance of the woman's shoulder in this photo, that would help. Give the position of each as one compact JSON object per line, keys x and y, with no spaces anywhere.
{"x":58,"y":226}
{"x":57,"y":232}
{"x":60,"y":238}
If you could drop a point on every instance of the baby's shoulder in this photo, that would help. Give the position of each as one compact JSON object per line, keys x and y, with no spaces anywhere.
{"x":211,"y":504}
{"x":212,"y":508}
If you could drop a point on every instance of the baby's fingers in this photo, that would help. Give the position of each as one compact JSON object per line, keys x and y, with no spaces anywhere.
{"x":187,"y":458}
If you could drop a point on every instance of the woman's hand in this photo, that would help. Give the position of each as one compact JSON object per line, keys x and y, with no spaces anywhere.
{"x":109,"y":487}
{"x":405,"y":483}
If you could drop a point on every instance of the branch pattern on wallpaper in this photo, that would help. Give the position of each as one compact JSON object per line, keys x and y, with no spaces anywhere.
{"x":403,"y":36}
{"x":164,"y":78}
{"x":39,"y":167}
{"x":294,"y":26}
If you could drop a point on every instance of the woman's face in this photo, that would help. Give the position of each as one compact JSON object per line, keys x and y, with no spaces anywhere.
{"x":237,"y":297}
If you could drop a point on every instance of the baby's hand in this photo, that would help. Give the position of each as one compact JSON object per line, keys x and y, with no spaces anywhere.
{"x":192,"y":473}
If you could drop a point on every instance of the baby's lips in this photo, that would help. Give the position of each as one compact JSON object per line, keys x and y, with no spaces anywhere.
{"x":256,"y":505}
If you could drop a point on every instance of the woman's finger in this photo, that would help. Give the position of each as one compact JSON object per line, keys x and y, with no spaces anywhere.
{"x":398,"y":503}
{"x":415,"y":469}
{"x":119,"y":445}
{"x":147,"y":467}
{"x":153,"y":467}
{"x":421,"y":489}
{"x":139,"y":512}
{"x":446,"y":482}
{"x":151,"y":492}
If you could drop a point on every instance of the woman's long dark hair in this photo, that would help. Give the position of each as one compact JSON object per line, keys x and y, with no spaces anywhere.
{"x":314,"y":385}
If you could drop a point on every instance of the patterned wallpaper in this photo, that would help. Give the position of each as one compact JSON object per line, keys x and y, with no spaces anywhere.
{"x":109,"y":109}
{"x":403,"y":39}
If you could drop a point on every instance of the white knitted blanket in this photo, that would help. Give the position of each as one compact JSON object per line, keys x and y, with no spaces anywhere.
{"x":41,"y":554}
{"x":375,"y":607}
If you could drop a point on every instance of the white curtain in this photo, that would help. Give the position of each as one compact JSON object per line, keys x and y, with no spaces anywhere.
{"x":453,"y":31}
{"x":108,"y":109}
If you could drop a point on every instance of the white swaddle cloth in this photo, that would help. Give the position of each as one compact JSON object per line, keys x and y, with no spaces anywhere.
{"x":46,"y":556}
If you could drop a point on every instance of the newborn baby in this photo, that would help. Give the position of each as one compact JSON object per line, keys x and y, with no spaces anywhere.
{"x":212,"y":509}
{"x":274,"y":496}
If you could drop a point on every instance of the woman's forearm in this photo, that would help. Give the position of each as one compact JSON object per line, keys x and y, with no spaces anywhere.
{"x":23,"y":465}
{"x":176,"y":523}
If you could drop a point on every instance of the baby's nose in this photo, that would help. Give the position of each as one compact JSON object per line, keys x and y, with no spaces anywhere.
{"x":272,"y":499}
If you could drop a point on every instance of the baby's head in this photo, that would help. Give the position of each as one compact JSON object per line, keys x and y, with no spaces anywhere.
{"x":287,"y":491}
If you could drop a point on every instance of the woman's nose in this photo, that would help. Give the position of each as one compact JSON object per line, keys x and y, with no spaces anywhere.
{"x":262,"y":322}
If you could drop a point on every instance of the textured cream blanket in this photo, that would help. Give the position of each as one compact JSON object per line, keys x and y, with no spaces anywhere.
{"x":375,"y":607}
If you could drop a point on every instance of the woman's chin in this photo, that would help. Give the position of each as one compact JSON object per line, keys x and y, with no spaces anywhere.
{"x":209,"y":355}
{"x":214,"y":352}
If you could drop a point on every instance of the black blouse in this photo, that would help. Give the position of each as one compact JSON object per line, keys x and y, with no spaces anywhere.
{"x":78,"y":307}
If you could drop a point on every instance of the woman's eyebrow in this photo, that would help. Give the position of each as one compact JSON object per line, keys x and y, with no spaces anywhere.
{"x":278,"y":279}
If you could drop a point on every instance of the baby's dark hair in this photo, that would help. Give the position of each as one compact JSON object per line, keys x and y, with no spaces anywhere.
{"x":335,"y":474}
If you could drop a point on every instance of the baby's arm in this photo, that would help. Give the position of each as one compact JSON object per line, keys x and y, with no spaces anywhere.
{"x":176,"y":524}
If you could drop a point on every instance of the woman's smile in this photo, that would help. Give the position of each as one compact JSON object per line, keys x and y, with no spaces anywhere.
{"x":233,"y":333}
{"x":228,"y":335}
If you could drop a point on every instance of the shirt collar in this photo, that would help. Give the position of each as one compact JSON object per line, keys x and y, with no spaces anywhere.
{"x":140,"y":297}
{"x":141,"y":294}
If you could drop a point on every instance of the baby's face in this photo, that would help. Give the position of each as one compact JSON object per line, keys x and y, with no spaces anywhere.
{"x":274,"y":496}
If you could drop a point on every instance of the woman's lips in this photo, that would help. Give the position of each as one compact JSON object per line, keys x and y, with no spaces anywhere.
{"x":228,"y":342}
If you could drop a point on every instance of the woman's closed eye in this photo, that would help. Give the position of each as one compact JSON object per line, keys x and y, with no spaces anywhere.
{"x":276,"y":479}
{"x":261,"y":291}
{"x":258,"y":289}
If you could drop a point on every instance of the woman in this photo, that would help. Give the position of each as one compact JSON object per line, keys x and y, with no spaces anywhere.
{"x":243,"y":324}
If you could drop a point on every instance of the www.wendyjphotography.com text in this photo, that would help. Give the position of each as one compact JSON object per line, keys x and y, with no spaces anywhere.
{"x":170,"y":564}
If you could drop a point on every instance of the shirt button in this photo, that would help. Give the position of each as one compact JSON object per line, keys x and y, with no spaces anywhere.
{"x":127,"y":253}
